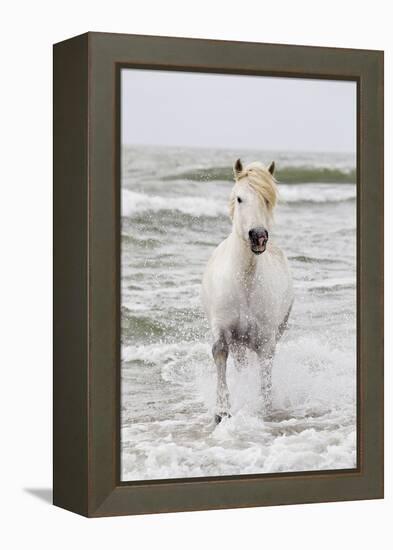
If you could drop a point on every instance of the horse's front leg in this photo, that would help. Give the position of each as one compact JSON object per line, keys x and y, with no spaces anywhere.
{"x":238,"y":353}
{"x":266,"y":354}
{"x":220,"y":355}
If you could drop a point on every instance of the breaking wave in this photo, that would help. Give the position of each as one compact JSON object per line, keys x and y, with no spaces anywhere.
{"x":289,"y":174}
{"x":135,"y":203}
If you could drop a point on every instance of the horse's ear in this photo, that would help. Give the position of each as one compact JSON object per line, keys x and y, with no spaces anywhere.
{"x":237,"y":167}
{"x":271,"y":167}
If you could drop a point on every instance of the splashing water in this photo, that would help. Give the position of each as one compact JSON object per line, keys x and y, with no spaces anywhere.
{"x":170,"y":226}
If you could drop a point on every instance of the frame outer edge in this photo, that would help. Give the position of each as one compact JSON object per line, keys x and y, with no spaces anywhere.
{"x":371,"y":221}
{"x":104,"y":496}
{"x":70,"y":271}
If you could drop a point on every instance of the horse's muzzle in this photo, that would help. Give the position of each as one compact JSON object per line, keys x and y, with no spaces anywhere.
{"x":258,"y":239}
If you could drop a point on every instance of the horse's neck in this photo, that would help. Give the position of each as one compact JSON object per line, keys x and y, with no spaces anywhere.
{"x":244,"y":260}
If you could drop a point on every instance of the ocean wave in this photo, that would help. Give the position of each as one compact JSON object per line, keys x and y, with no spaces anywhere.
{"x":133,"y":203}
{"x":174,"y":359}
{"x":329,"y":284}
{"x":288,"y":174}
{"x":317,"y":193}
{"x":312,"y":260}
{"x":141,"y":241}
{"x":140,"y":326}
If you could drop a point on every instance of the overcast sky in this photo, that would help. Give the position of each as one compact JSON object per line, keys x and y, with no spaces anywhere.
{"x":227,"y":111}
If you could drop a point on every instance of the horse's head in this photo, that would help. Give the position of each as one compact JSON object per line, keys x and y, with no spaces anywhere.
{"x":253,"y":198}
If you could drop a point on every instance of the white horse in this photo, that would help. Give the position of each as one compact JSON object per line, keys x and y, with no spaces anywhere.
{"x":247,"y":288}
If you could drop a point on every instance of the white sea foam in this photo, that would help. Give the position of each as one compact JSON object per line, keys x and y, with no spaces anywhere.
{"x":309,"y":430}
{"x":133,"y":203}
{"x":317,"y":193}
{"x":234,"y":447}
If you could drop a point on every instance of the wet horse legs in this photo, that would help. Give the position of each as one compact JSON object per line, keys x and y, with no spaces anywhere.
{"x":220,"y":356}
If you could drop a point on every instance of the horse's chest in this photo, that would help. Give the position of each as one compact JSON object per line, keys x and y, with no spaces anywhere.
{"x":255,"y":300}
{"x":252,"y":316}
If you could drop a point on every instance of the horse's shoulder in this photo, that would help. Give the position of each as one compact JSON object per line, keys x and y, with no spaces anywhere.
{"x":216,"y":260}
{"x":218,"y":250}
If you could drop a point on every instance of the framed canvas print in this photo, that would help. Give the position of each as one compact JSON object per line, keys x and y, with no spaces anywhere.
{"x":218,"y":274}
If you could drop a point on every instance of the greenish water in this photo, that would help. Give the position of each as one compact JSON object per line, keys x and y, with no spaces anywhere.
{"x":293,"y":174}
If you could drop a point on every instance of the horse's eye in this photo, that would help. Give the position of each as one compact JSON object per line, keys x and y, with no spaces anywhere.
{"x":239,"y":199}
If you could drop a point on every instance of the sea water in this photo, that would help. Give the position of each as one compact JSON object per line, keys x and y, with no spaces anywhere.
{"x":174,"y":204}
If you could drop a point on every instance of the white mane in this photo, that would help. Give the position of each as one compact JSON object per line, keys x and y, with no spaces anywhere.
{"x":258,"y":177}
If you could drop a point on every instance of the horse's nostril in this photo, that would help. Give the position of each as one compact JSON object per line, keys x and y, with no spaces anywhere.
{"x":258,"y":233}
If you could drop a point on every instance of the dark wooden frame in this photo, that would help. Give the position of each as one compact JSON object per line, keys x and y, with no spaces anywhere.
{"x":86,"y":274}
